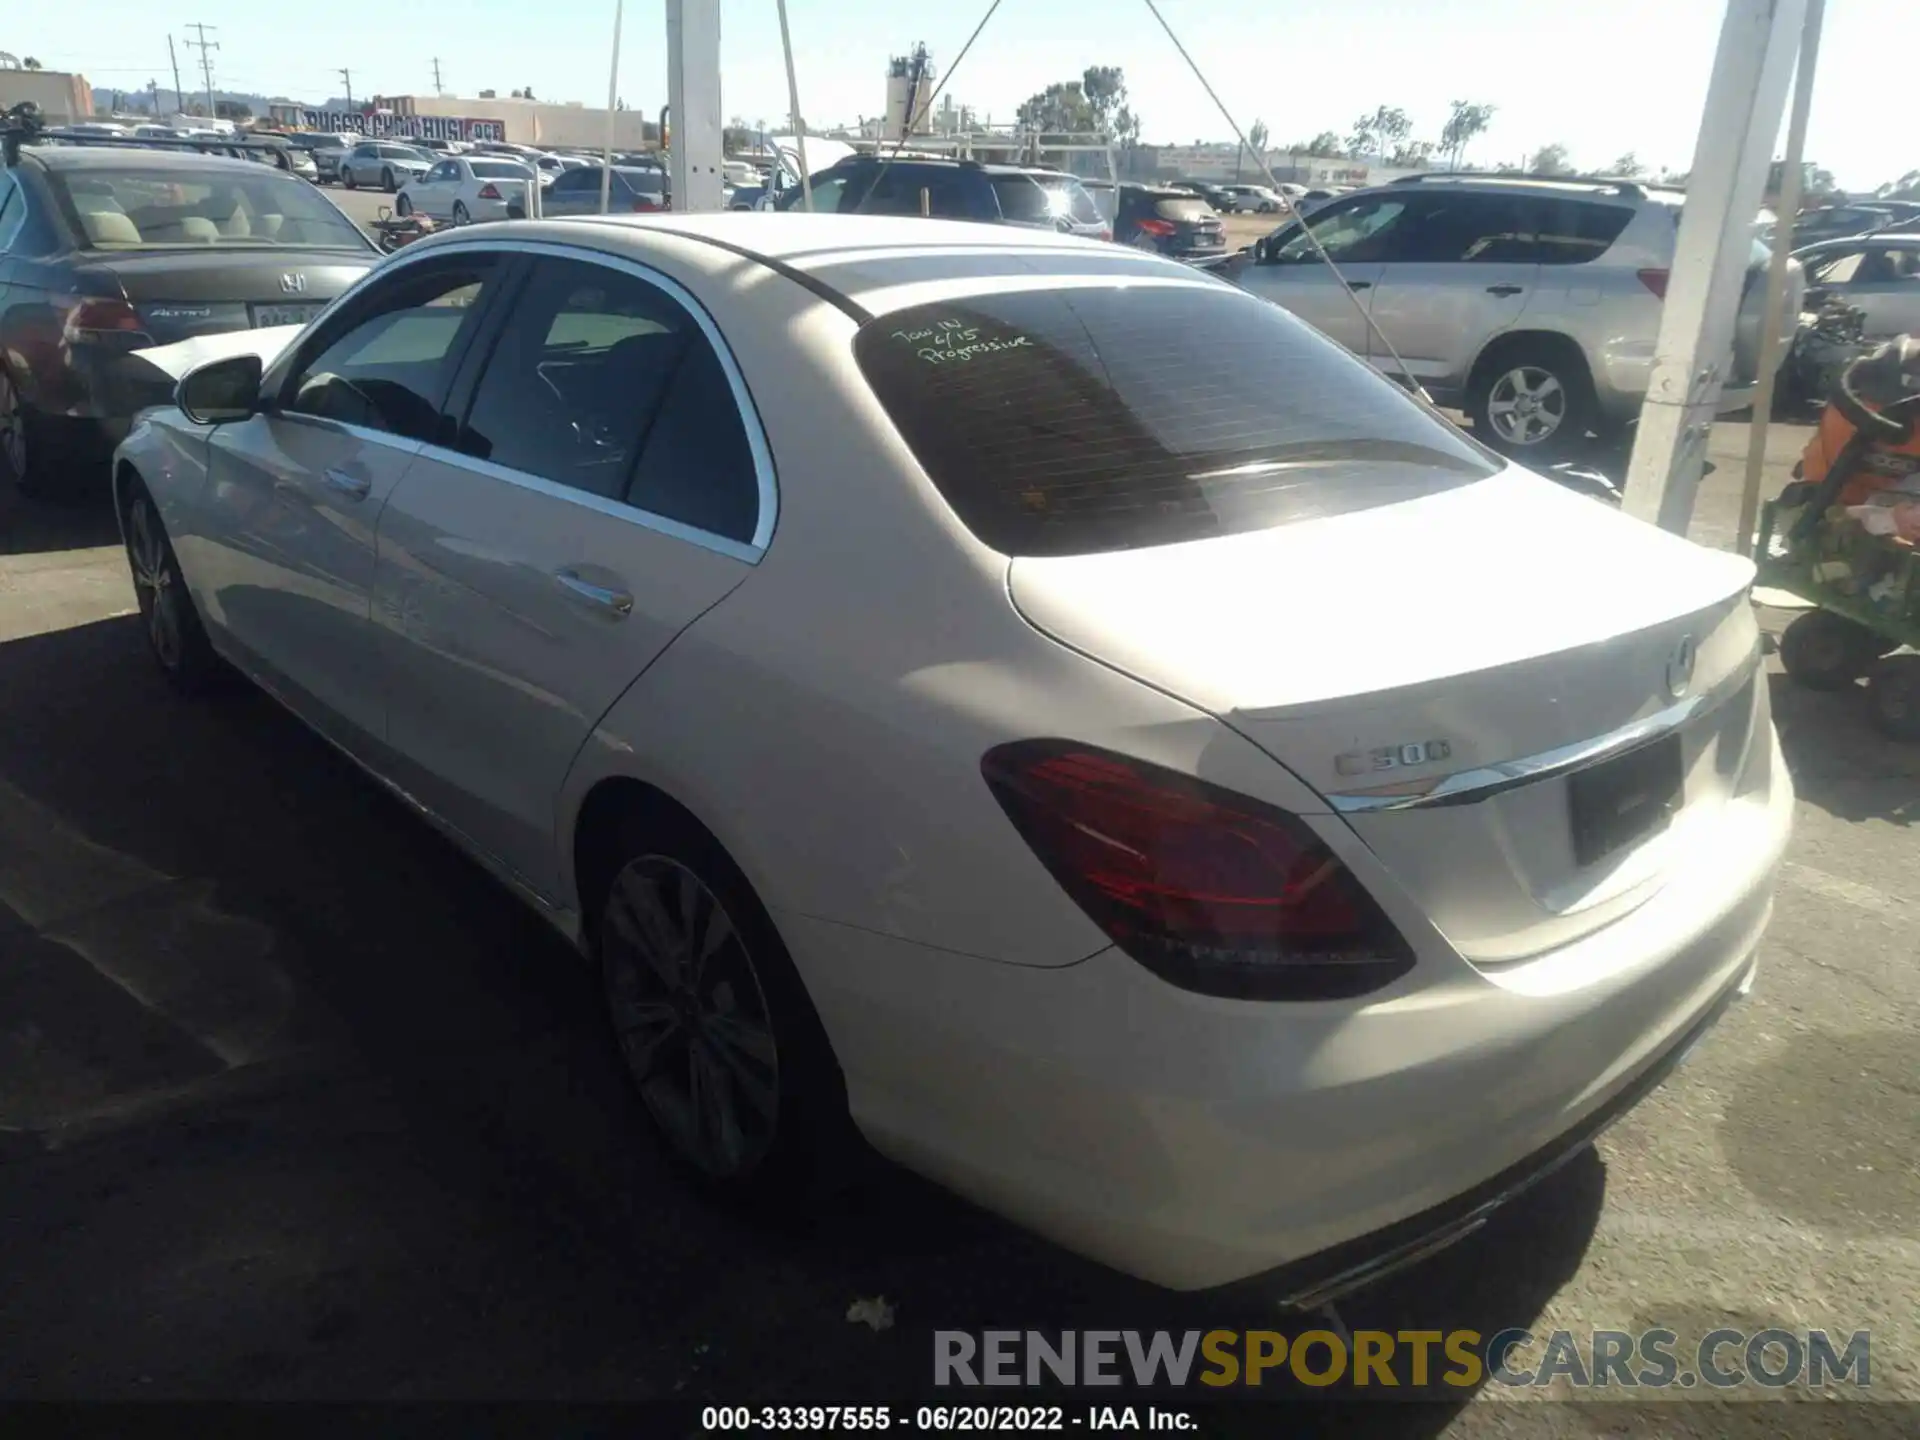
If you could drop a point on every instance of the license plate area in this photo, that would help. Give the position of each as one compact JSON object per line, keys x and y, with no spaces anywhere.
{"x":267,"y":316}
{"x":1623,"y":800}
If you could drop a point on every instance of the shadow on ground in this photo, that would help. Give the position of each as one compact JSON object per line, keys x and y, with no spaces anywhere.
{"x":414,"y":1169}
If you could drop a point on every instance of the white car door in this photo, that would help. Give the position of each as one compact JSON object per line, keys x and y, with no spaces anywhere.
{"x":434,"y":194}
{"x":295,"y":493}
{"x":1287,"y":268}
{"x":606,"y":485}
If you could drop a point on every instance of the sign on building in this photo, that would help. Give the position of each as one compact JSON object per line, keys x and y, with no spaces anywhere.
{"x":389,"y":126}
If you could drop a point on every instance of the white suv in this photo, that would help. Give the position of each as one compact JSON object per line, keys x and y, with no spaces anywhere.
{"x":1531,"y":304}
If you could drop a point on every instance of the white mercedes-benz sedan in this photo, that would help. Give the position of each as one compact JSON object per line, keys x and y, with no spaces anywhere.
{"x":1020,"y":695}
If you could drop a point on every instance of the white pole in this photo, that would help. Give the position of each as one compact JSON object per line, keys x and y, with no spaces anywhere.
{"x":793,"y":101}
{"x":1775,"y":322}
{"x":613,"y":97}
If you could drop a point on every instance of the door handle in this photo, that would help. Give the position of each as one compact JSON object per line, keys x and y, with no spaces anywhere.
{"x":354,"y":487}
{"x":1505,"y":289}
{"x":619,"y":602}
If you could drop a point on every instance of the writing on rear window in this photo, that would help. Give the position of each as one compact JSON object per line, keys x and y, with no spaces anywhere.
{"x":946,"y":341}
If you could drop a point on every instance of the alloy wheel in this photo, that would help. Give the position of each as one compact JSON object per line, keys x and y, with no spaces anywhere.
{"x":153,"y":579}
{"x":13,"y":430}
{"x":1527,"y":405}
{"x":691,"y":1016}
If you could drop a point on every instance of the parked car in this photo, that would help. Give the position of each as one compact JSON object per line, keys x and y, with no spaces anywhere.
{"x":950,"y":189}
{"x":323,"y":149}
{"x":1840,"y":222}
{"x":631,"y":189}
{"x":1074,"y":210}
{"x":1031,"y":825}
{"x":465,"y":189}
{"x":1878,"y":274}
{"x":1255,"y":199}
{"x":1533,"y":305}
{"x":107,"y":249}
{"x":1170,"y":221}
{"x":384,"y":164}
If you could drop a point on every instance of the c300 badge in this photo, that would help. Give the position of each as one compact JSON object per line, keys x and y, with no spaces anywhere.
{"x":1392,"y":757}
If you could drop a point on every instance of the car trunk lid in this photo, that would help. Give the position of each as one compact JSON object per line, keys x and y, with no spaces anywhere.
{"x":1495,"y":638}
{"x":179,"y":294}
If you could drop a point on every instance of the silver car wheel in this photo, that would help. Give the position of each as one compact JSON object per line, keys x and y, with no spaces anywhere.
{"x":13,"y":429}
{"x":153,"y":582}
{"x":691,"y":1016}
{"x":1527,"y":405}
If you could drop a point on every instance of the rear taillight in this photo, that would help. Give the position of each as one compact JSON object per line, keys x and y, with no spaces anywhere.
{"x":487,"y":192}
{"x":1151,"y":226}
{"x":1106,"y":232}
{"x":1656,"y":281}
{"x":90,"y":320}
{"x":641,"y":203}
{"x":1212,"y":891}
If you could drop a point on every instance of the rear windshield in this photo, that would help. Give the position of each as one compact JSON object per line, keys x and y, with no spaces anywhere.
{"x":1021,"y":199}
{"x":249,"y":206}
{"x":1067,"y":196}
{"x":1182,"y":207}
{"x":498,"y":170}
{"x":1068,"y":422}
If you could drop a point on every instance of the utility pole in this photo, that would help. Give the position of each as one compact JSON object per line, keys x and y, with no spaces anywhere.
{"x":436,"y":77}
{"x":179,"y":100}
{"x":346,"y":79}
{"x":206,"y":62}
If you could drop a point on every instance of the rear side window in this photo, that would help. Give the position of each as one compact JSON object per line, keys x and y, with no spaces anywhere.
{"x":1021,"y":199}
{"x":1572,"y":232}
{"x":1069,"y":422}
{"x":1070,"y":197}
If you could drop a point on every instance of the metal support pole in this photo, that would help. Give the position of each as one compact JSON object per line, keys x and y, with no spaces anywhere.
{"x":1775,"y":322}
{"x":793,"y":101}
{"x":613,"y":98}
{"x":693,"y":97}
{"x":1745,"y":101}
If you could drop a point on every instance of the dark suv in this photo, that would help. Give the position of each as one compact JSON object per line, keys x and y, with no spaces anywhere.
{"x":1170,"y":222}
{"x":943,"y":189}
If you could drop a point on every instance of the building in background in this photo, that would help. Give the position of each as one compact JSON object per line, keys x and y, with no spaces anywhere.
{"x":487,"y":117}
{"x":910,"y":84}
{"x":63,"y":98}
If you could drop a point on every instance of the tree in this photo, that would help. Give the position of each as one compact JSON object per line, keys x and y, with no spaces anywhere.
{"x":1383,"y":132}
{"x":1060,"y":108}
{"x":1412,"y":155}
{"x":527,"y":94}
{"x":1105,"y":89}
{"x":1466,"y":121}
{"x":1627,"y":167}
{"x":30,"y":63}
{"x":1549,"y":160}
{"x":1256,"y":142}
{"x":489,"y":94}
{"x":1325,"y":143}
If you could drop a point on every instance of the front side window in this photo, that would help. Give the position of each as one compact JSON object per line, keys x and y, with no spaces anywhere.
{"x":1068,"y":422}
{"x":603,"y":382}
{"x":442,"y":172}
{"x":385,"y":362}
{"x":1836,"y":268}
{"x":1356,"y":232}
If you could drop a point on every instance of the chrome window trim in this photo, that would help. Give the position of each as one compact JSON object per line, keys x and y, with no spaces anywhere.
{"x":766,"y":479}
{"x":1469,"y":787}
{"x":363,"y":433}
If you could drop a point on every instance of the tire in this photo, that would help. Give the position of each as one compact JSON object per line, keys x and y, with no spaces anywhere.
{"x":387,"y":182}
{"x":175,"y":636}
{"x":33,"y":459}
{"x":734,"y":1028}
{"x":346,"y":177}
{"x":403,"y":207}
{"x":1824,"y":651}
{"x":461,"y":216}
{"x":1893,"y":694}
{"x":1532,"y":402}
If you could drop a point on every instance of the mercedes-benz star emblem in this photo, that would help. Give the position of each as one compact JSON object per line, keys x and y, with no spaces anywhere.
{"x":293,"y":284}
{"x":1680,"y":668}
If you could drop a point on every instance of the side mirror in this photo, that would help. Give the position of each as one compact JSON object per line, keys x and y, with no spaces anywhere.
{"x":220,"y":390}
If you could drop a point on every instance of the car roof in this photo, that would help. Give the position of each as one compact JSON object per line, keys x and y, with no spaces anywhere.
{"x":136,"y":158}
{"x":1872,"y":237}
{"x":876,"y":263}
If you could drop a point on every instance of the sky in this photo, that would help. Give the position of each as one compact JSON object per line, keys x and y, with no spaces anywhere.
{"x":1601,"y":77}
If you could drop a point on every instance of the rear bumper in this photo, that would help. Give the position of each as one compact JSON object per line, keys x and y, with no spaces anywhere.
{"x":1306,"y":1148}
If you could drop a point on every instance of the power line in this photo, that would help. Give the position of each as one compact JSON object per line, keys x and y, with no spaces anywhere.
{"x":206,"y":59}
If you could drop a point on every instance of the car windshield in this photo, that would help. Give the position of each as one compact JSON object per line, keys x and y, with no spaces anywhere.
{"x":498,"y":170}
{"x":1021,"y":199}
{"x":250,"y":206}
{"x":1069,"y":422}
